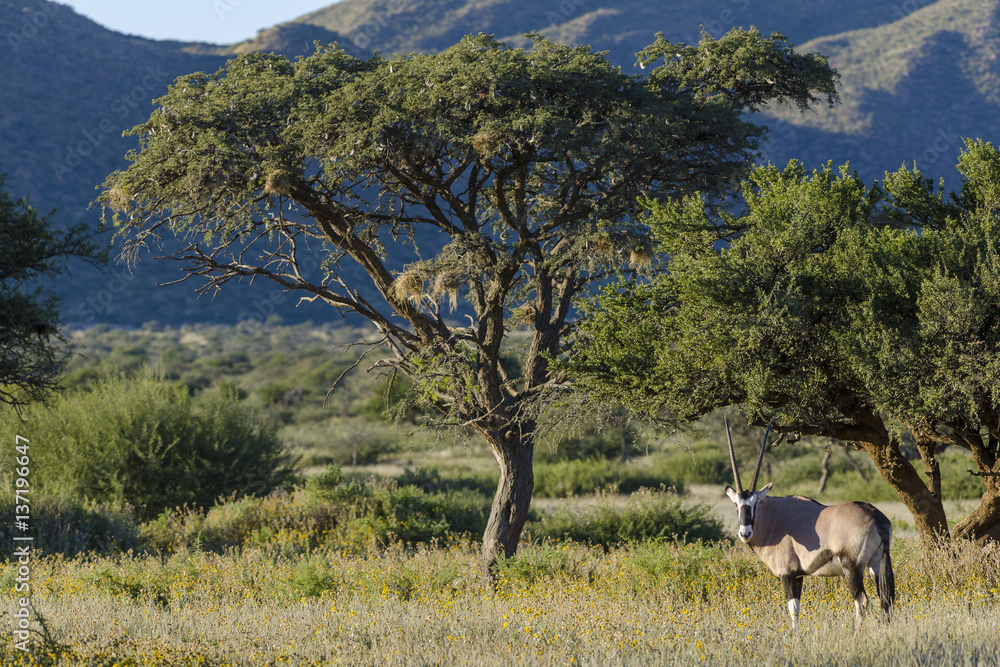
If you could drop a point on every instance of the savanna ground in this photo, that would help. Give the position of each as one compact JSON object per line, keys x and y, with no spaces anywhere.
{"x":558,"y":604}
{"x":387,"y":571}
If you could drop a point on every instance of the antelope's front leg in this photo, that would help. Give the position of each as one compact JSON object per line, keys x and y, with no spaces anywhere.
{"x":793,"y":592}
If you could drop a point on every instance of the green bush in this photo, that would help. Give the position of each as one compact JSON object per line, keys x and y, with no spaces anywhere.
{"x":570,"y":478}
{"x":412,"y":516}
{"x":343,"y":442}
{"x":589,"y":443}
{"x":144,"y":442}
{"x":313,"y":577}
{"x":702,"y":463}
{"x":543,"y":561}
{"x":431,"y":480}
{"x":956,"y":482}
{"x":71,"y":528}
{"x":647,"y":515}
{"x":329,"y":513}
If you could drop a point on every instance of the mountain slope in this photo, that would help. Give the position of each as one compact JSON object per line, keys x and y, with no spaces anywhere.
{"x":625,"y":27}
{"x":911,"y":89}
{"x":916,"y":77}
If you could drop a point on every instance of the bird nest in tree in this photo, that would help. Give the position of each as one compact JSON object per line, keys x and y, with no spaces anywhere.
{"x":485,"y":143}
{"x":641,"y":257}
{"x":408,"y":285}
{"x":447,"y":283}
{"x":278,"y":182}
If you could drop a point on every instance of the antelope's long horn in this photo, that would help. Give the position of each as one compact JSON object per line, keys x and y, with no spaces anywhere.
{"x":760,"y":457}
{"x":732,"y":458}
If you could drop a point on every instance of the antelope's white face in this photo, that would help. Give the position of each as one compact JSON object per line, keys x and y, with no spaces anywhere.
{"x":746,"y":508}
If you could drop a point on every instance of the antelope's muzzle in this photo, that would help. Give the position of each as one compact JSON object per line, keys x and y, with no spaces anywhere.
{"x":746,"y":523}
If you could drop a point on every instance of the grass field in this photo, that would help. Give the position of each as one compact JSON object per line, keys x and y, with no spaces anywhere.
{"x":288,"y":580}
{"x":653,"y":603}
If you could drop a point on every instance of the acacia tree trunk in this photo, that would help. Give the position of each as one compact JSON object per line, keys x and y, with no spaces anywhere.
{"x":983,"y":523}
{"x":513,"y":452}
{"x":926,"y":507}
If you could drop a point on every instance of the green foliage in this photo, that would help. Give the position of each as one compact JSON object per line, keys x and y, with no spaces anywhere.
{"x":407,"y":514}
{"x":72,"y":528}
{"x":137,"y":588}
{"x":751,"y":71}
{"x":701,"y":462}
{"x":483,"y":142}
{"x":647,"y":515}
{"x":33,"y":250}
{"x":430,"y":480}
{"x":312,"y":578}
{"x":330,"y":513}
{"x":605,"y":443}
{"x":543,"y":562}
{"x":144,"y":442}
{"x":826,"y":302}
{"x":570,"y":478}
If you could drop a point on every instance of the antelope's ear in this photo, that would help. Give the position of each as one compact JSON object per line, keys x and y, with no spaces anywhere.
{"x":763,"y":492}
{"x":731,"y":492}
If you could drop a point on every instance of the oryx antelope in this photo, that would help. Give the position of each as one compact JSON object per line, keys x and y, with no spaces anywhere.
{"x":796,"y":536}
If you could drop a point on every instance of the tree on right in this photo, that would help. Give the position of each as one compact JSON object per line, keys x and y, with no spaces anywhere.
{"x":869,"y":314}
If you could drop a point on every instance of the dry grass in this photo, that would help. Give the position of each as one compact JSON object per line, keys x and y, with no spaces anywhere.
{"x":558,"y":604}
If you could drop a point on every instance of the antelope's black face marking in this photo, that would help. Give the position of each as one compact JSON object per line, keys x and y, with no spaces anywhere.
{"x":746,"y":509}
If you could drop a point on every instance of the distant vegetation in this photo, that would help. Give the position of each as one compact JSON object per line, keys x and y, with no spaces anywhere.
{"x":282,"y":373}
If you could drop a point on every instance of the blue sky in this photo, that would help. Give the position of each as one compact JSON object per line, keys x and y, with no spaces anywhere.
{"x":216,"y":21}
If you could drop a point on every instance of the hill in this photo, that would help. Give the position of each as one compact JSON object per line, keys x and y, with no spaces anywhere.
{"x":910,"y":90}
{"x":916,"y":76}
{"x":623,"y":28}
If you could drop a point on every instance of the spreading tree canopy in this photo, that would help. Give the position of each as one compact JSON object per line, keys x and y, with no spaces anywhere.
{"x":866,"y":314}
{"x":525,"y":164}
{"x":33,"y":252}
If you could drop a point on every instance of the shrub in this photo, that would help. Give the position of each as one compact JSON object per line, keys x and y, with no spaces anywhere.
{"x":702,"y":463}
{"x":144,"y":442}
{"x":312,"y":578}
{"x":647,"y":515}
{"x":569,"y":478}
{"x":431,"y":480}
{"x":956,"y":482}
{"x":328,"y":513}
{"x":70,"y":527}
{"x":412,"y":516}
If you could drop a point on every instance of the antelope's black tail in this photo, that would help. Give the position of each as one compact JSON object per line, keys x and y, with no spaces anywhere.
{"x":886,"y":582}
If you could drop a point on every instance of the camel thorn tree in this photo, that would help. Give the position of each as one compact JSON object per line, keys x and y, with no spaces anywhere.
{"x":503,"y":181}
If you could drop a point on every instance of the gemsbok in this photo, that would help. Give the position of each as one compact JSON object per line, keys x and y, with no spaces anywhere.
{"x":795,"y":536}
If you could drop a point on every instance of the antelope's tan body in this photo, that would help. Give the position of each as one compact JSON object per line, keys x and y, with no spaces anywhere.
{"x":795,"y":535}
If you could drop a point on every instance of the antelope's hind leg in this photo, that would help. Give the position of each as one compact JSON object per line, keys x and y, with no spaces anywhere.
{"x":856,"y":585}
{"x":793,"y":593}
